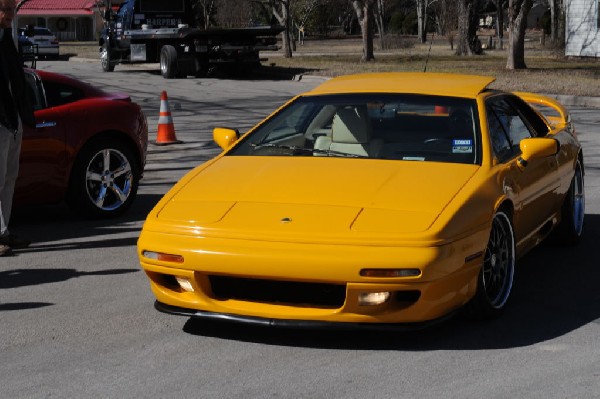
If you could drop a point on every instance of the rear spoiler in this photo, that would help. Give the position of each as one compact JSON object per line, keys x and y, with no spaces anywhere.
{"x":555,"y":113}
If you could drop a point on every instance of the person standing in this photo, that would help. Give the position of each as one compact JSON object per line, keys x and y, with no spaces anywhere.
{"x":16,"y":109}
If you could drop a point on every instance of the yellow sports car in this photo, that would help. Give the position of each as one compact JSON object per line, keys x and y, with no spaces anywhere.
{"x":391,"y":199}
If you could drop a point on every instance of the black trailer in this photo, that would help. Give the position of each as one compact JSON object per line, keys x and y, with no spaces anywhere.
{"x":156,"y":31}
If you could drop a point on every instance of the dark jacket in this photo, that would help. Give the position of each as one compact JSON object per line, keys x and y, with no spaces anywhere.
{"x":12,"y":66}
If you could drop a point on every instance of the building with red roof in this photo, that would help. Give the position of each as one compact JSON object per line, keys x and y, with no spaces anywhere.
{"x":69,"y":20}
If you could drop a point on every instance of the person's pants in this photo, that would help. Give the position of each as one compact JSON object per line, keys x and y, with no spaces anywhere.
{"x":10,"y":149}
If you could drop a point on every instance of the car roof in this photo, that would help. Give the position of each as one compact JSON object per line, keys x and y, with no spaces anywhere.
{"x":426,"y":83}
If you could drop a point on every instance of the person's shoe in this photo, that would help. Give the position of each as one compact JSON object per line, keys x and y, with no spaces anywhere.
{"x":14,"y":242}
{"x":4,"y":249}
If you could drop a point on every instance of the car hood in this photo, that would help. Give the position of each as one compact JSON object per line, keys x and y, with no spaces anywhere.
{"x":313,"y":196}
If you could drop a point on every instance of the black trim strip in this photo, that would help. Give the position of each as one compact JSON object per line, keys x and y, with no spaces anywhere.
{"x":297,"y":324}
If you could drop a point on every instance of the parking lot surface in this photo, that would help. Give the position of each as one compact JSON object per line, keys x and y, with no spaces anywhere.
{"x":77,"y":316}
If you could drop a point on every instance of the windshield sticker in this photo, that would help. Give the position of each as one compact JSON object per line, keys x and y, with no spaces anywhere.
{"x":463,"y":146}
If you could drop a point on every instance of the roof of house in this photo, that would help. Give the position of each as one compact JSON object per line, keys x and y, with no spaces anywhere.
{"x":57,"y":7}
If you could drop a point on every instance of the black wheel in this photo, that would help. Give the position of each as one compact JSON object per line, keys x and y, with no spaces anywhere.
{"x":105,"y":56}
{"x":496,"y":276}
{"x":570,"y":228}
{"x":104,"y":179}
{"x":168,"y":62}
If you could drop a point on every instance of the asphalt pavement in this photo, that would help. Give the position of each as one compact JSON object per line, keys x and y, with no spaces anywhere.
{"x":77,"y":317}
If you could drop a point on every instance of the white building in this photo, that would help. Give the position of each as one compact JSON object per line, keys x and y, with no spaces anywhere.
{"x":582,"y":28}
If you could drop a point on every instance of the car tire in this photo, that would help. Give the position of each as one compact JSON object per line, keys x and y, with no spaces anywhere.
{"x":570,"y":229}
{"x":168,"y":62}
{"x":105,"y":56}
{"x":104,"y":179}
{"x":494,"y":283}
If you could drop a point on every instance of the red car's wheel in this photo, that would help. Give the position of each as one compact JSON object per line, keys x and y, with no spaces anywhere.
{"x":496,"y":275}
{"x":104,"y":180}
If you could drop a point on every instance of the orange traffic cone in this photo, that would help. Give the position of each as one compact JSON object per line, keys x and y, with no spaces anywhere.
{"x":166,"y":129}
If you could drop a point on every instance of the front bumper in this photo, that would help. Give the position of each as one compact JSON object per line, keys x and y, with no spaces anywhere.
{"x":448,"y":279}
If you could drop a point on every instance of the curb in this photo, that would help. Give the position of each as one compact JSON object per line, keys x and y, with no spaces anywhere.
{"x":576,"y":101}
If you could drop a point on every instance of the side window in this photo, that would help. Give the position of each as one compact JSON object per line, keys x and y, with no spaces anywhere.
{"x":507,"y":128}
{"x":539,"y":128}
{"x":35,"y":91}
{"x":60,"y":94}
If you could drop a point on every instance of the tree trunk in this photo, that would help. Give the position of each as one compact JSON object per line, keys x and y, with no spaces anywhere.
{"x":467,"y":42}
{"x":500,"y":22}
{"x":517,"y":23}
{"x":422,"y":20}
{"x":284,"y":20}
{"x":379,"y":18}
{"x":363,"y":13}
{"x":553,"y":22}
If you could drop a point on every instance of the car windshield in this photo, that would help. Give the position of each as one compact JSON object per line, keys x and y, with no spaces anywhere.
{"x":376,"y":126}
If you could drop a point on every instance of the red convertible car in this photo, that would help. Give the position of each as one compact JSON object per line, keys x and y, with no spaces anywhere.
{"x":88,"y":147}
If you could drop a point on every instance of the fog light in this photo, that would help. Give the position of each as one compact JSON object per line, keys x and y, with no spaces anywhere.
{"x":162,"y":256}
{"x":185,"y":284}
{"x":390,"y":272}
{"x":373,"y":298}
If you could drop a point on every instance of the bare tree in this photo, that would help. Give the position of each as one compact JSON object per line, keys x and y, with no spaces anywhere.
{"x":446,"y":16}
{"x":500,"y":6}
{"x":364,"y":13}
{"x":422,"y":6}
{"x":467,"y":42}
{"x":380,"y":21}
{"x":557,"y":18}
{"x":206,"y":10}
{"x":517,"y":23}
{"x":281,"y":11}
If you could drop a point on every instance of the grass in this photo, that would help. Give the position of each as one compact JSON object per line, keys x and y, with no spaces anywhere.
{"x":547,"y":70}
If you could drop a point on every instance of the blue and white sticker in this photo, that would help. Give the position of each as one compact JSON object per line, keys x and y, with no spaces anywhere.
{"x":462,"y":146}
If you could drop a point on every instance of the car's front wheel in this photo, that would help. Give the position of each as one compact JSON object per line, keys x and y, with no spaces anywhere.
{"x":104,"y":180}
{"x":496,"y":274}
{"x":105,"y":55}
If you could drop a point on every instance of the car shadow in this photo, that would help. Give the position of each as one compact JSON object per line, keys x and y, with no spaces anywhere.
{"x":56,"y":228}
{"x":555,"y":293}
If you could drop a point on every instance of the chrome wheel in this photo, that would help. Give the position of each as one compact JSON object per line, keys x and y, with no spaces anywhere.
{"x":105,"y":59}
{"x":494,"y":283}
{"x":499,"y":262}
{"x":109,"y":179}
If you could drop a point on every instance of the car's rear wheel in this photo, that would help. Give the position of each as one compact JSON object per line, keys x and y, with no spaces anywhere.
{"x":104,"y":180}
{"x":105,"y":58}
{"x":496,"y":275}
{"x":570,"y":229}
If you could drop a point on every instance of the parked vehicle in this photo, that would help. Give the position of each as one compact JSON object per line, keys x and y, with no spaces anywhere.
{"x":151,"y":31}
{"x":88,"y":147}
{"x":46,"y":42}
{"x":384,"y":200}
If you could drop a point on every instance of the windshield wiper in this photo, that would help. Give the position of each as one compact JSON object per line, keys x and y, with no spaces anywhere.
{"x":300,"y":150}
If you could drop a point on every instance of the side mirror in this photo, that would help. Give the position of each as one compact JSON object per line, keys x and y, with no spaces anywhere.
{"x":536,"y":148}
{"x":225,"y":137}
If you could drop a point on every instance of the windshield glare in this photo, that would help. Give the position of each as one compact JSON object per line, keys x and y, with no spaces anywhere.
{"x":376,"y":126}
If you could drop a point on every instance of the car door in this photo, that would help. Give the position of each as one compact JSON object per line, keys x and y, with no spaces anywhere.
{"x":534,"y":186}
{"x":42,"y":167}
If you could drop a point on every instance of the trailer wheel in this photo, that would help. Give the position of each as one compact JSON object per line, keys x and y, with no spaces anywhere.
{"x":105,"y":58}
{"x":168,"y":62}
